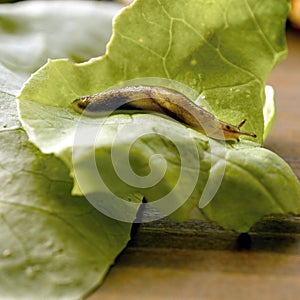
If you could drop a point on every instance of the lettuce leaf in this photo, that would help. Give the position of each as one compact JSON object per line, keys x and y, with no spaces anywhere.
{"x":32,"y":33}
{"x":49,"y":238}
{"x":223,"y":50}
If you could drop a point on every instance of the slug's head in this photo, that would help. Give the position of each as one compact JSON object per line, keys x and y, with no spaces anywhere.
{"x":232,"y":133}
{"x":80,"y":104}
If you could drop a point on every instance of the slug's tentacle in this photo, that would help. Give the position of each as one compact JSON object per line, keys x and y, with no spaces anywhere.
{"x":162,"y":100}
{"x":245,"y":133}
{"x":241,"y":124}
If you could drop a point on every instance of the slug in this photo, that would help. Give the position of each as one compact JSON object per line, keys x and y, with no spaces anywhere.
{"x":162,"y":100}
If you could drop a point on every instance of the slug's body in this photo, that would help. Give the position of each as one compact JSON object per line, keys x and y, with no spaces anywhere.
{"x":162,"y":100}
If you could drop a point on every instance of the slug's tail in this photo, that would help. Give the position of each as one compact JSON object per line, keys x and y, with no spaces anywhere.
{"x":245,"y":133}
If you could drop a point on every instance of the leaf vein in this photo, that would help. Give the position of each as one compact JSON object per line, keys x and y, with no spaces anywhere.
{"x":18,"y":237}
{"x":55,"y":215}
{"x":140,"y":45}
{"x":263,"y":35}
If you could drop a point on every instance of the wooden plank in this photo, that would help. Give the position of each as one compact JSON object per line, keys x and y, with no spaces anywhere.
{"x":197,"y":259}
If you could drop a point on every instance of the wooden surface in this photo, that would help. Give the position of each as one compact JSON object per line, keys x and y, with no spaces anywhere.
{"x":197,"y":260}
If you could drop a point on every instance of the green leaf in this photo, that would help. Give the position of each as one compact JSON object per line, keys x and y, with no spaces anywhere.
{"x":265,"y":185}
{"x":10,"y":84}
{"x":48,"y":238}
{"x":269,"y":111}
{"x":253,"y":181}
{"x":52,"y":245}
{"x":210,"y":47}
{"x":31,"y":33}
{"x":223,"y":49}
